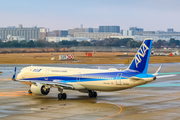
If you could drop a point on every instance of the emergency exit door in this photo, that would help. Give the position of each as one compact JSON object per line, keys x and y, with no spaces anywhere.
{"x":118,"y":78}
{"x":46,"y":74}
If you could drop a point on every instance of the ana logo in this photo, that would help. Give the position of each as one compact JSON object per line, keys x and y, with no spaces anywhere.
{"x":141,"y":53}
{"x":37,"y":70}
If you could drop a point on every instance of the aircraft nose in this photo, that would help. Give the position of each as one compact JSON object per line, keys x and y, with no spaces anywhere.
{"x":154,"y":78}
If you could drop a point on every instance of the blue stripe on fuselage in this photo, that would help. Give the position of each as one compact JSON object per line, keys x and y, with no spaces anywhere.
{"x":92,"y":76}
{"x":125,"y":73}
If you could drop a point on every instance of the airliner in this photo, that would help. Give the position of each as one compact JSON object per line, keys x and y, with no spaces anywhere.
{"x":41,"y":79}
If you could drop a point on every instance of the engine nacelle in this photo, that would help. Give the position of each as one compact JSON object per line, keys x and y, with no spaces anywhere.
{"x":39,"y":89}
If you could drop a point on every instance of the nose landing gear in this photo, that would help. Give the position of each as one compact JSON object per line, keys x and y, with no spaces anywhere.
{"x":29,"y":91}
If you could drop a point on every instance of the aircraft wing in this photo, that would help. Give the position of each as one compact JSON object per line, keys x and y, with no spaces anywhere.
{"x":49,"y":83}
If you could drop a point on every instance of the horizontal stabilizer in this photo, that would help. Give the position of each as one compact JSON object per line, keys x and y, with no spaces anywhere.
{"x":163,"y":76}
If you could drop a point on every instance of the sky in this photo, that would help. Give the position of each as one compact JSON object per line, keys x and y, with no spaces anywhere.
{"x":68,"y":14}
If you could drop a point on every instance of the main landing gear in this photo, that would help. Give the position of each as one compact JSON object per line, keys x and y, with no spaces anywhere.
{"x":92,"y":94}
{"x":61,"y":95}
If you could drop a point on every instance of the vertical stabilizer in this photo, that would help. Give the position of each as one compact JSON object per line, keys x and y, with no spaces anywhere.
{"x":141,"y":59}
{"x":14,"y":74}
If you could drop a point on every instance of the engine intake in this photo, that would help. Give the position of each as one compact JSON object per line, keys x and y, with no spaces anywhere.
{"x":39,"y":89}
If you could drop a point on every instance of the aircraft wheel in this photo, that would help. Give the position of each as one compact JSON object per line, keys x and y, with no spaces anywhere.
{"x":94,"y":94}
{"x":60,"y":96}
{"x":64,"y":96}
{"x":90,"y":94}
{"x":29,"y":91}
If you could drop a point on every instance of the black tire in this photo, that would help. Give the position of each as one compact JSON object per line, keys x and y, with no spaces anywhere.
{"x":95,"y":94}
{"x":60,"y":96}
{"x":90,"y":94}
{"x":64,"y":96}
{"x":29,"y":91}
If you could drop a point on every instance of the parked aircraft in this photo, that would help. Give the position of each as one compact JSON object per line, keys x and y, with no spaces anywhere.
{"x":41,"y":79}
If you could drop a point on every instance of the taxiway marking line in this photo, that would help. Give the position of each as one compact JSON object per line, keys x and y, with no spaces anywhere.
{"x":113,"y":114}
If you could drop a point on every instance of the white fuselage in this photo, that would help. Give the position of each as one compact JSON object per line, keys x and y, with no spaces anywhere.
{"x":82,"y":79}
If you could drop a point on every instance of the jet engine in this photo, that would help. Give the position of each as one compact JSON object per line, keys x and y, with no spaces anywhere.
{"x":40,"y":89}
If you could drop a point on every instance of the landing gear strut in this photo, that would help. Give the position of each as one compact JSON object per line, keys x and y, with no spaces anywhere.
{"x":92,"y":94}
{"x":61,"y":95}
{"x":29,"y":91}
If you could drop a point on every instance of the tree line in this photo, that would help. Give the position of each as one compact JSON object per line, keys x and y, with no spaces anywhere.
{"x":172,"y":43}
{"x":126,"y":42}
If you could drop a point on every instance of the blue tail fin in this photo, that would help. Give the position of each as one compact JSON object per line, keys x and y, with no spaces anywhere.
{"x":14,"y":74}
{"x":141,"y":59}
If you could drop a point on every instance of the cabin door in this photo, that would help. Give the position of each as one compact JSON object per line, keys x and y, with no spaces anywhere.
{"x":78,"y":77}
{"x":46,"y":74}
{"x":118,"y":79}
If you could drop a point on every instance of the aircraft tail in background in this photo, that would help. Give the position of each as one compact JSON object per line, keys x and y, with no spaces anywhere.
{"x":14,"y":74}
